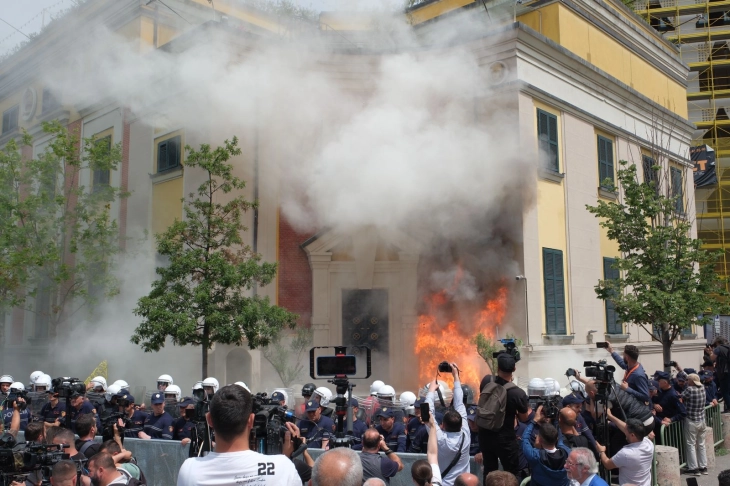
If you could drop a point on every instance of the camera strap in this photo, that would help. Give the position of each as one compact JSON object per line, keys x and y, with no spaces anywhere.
{"x":441,"y":397}
{"x":456,"y":457}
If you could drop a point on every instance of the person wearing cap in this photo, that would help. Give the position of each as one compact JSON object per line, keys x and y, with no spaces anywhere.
{"x":278,"y":398}
{"x":413,"y":426}
{"x":708,"y":381}
{"x":358,"y":426}
{"x":316,"y":428}
{"x":502,"y":446}
{"x":184,"y":425}
{"x":693,"y":399}
{"x":392,"y":430}
{"x":634,"y":381}
{"x":81,"y":406}
{"x":53,"y":411}
{"x":679,"y":383}
{"x":575,"y":401}
{"x":125,"y":404}
{"x":158,"y":424}
{"x":667,"y":405}
{"x":474,"y":450}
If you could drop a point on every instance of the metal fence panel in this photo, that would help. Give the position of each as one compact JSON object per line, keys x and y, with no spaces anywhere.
{"x":714,"y":420}
{"x":672,"y":435}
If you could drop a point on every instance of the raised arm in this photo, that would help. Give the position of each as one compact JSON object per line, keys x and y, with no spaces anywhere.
{"x":432,"y":453}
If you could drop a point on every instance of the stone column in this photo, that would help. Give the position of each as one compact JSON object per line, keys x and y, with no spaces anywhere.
{"x":710,"y":447}
{"x":726,"y":429}
{"x":320,"y":298}
{"x":667,"y":466}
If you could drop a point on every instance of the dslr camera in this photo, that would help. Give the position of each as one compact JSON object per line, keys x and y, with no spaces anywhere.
{"x":550,"y":405}
{"x":510,"y":347}
{"x":66,"y":386}
{"x":13,"y":398}
{"x":671,"y":363}
{"x":445,"y":367}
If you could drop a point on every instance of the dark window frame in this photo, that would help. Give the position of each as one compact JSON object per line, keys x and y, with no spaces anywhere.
{"x":548,"y":140}
{"x":11,"y":119}
{"x":101,"y":178}
{"x":677,"y":178}
{"x":650,"y":174}
{"x":605,"y":161}
{"x":554,"y":287}
{"x":613,"y":324}
{"x":169,"y":154}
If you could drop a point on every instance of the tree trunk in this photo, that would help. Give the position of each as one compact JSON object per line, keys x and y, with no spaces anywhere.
{"x":666,"y":348}
{"x":205,"y":353}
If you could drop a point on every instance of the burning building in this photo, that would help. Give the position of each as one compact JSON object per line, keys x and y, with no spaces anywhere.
{"x":408,"y":166}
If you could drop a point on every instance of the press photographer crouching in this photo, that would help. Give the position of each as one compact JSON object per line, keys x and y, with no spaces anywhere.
{"x":232,"y":419}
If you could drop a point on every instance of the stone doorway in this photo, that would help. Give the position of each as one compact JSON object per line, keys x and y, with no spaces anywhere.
{"x":365,"y":323}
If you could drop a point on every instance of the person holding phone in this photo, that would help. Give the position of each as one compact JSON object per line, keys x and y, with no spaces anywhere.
{"x":635,"y":381}
{"x":427,"y":471}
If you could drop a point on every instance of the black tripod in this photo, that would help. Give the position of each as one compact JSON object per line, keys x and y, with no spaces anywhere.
{"x":343,"y":411}
{"x":201,"y":440}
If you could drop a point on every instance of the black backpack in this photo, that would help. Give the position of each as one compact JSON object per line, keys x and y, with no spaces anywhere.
{"x":723,"y":360}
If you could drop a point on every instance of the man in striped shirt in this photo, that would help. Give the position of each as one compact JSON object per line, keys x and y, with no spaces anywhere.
{"x":693,"y":397}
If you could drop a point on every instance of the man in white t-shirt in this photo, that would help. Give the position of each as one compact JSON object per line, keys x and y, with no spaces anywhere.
{"x":633,"y":460}
{"x":233,"y":462}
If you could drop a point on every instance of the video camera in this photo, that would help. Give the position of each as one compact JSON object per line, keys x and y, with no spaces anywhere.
{"x":108,"y":422}
{"x":550,"y":405}
{"x":510,"y":347}
{"x":268,"y":425}
{"x":599,"y":371}
{"x":13,"y":397}
{"x":66,"y":386}
{"x":16,"y":463}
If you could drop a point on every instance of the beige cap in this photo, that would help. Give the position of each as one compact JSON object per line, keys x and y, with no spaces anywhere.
{"x":694,"y":379}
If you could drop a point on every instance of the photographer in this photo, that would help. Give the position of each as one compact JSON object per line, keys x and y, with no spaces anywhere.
{"x":303,"y":466}
{"x":547,"y":458}
{"x":635,"y":381}
{"x":501,"y":445}
{"x":455,"y":438}
{"x":64,"y":473}
{"x":373,"y":464}
{"x":231,"y":418}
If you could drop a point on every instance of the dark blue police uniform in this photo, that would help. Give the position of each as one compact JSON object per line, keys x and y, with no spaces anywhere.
{"x":137,"y":420}
{"x":51,"y":413}
{"x":396,"y":438}
{"x":7,"y":414}
{"x":182,"y":428}
{"x":86,"y":408}
{"x":672,"y":407}
{"x":317,"y":432}
{"x":159,"y":426}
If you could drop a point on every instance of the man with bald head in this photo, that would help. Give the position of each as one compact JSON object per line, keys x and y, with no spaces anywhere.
{"x":337,"y":467}
{"x":466,"y":479}
{"x":375,"y":465}
{"x":567,"y":420}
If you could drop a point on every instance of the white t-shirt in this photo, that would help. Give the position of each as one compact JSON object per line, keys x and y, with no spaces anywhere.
{"x":634,"y":463}
{"x":238,"y":468}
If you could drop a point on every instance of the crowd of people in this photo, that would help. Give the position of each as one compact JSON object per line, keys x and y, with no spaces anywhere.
{"x":555,"y":440}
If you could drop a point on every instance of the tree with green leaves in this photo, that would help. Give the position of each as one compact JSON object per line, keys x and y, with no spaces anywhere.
{"x":206,"y":294}
{"x":288,"y":355}
{"x":58,"y":240}
{"x":486,"y":348}
{"x":665,"y":281}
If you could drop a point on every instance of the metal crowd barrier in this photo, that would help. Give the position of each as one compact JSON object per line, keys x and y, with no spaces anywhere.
{"x":672,"y":435}
{"x":714,"y":421}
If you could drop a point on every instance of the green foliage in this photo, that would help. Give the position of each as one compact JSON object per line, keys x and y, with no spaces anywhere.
{"x":56,"y":233}
{"x":289,"y":358}
{"x":486,"y":348}
{"x":200,"y":298}
{"x":283,"y":8}
{"x":666,"y":280}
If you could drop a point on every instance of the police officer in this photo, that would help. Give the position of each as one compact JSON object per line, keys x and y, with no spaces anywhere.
{"x":278,"y":398}
{"x":358,"y":426}
{"x":184,"y":425}
{"x":125,"y":404}
{"x":667,"y":405}
{"x":163,"y":382}
{"x":158,"y":425}
{"x":679,"y":383}
{"x":316,"y":427}
{"x":80,"y":406}
{"x":7,"y":409}
{"x":393,"y":432}
{"x":5,"y":382}
{"x":471,"y":417}
{"x":54,"y":411}
{"x":708,"y":380}
{"x":414,"y":424}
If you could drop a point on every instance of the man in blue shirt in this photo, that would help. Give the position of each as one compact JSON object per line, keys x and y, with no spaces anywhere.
{"x":548,"y":457}
{"x":125,"y":404}
{"x":81,"y":406}
{"x":54,"y":411}
{"x":392,"y":431}
{"x":668,"y":406}
{"x":635,"y":381}
{"x":358,"y":426}
{"x":158,"y":425}
{"x":317,"y":428}
{"x":183,"y":426}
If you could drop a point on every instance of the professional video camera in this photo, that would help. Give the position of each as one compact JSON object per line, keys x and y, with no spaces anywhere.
{"x":268,"y":425}
{"x":510,"y":347}
{"x":17,"y":461}
{"x":66,"y":386}
{"x":341,"y":367}
{"x":599,"y":371}
{"x":550,"y":405}
{"x":13,"y":397}
{"x":111,"y":419}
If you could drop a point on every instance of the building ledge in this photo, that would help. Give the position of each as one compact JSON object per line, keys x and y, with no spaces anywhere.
{"x":557,"y":339}
{"x":167,"y":175}
{"x":551,"y":175}
{"x":606,"y":194}
{"x":617,"y":338}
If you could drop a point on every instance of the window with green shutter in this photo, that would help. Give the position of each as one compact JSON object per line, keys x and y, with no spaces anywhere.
{"x":554,"y":291}
{"x":168,"y":154}
{"x":605,"y":161}
{"x":650,"y":172}
{"x":613,"y":324}
{"x":677,"y":189}
{"x":547,"y":132}
{"x":102,"y":177}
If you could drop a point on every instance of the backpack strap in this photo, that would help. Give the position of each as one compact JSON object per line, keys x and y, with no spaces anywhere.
{"x":509,"y":385}
{"x":86,"y":445}
{"x":456,"y":457}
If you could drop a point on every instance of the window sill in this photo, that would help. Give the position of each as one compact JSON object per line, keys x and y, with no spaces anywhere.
{"x":551,"y":175}
{"x":167,"y":175}
{"x":688,"y":337}
{"x":606,"y":194}
{"x":617,"y":338}
{"x":7,"y":136}
{"x":557,"y":339}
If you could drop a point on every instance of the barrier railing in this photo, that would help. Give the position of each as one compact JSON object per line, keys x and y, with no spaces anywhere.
{"x":714,"y":421}
{"x":672,"y":435}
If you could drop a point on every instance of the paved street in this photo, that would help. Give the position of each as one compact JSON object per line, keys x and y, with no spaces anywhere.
{"x":721,"y":463}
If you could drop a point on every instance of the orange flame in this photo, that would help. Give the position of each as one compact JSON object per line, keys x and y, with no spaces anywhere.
{"x":436,"y":342}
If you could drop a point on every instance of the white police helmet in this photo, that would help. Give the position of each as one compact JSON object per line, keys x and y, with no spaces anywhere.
{"x":198,"y":385}
{"x":122,"y":384}
{"x":17,"y":386}
{"x":98,"y":381}
{"x":112,"y":390}
{"x":165,"y":379}
{"x":6,"y":379}
{"x":537,"y":386}
{"x":243,"y":385}
{"x":407,"y":398}
{"x":552,"y":387}
{"x":173,"y":390}
{"x":377,"y":385}
{"x":325,"y":394}
{"x":34,"y":376}
{"x":387,"y":392}
{"x":43,"y":380}
{"x":210,"y":381}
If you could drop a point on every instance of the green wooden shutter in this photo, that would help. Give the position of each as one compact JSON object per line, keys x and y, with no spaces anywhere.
{"x":677,"y":189}
{"x":605,"y":160}
{"x":613,"y":324}
{"x":547,"y":131}
{"x":554,"y":282}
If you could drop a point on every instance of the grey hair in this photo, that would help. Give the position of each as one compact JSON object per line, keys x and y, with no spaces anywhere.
{"x":374,"y":482}
{"x":586,"y":459}
{"x":352,"y":476}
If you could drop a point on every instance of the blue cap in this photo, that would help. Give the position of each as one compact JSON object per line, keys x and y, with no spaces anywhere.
{"x":125,"y":396}
{"x":471,"y":412}
{"x":682,"y":376}
{"x":418,"y":402}
{"x":439,"y":417}
{"x":186,"y":402}
{"x":662,"y":375}
{"x":385,"y":412}
{"x":690,"y":371}
{"x":158,"y":398}
{"x":311,"y":406}
{"x":277,"y":396}
{"x":653,"y":385}
{"x":354,"y":403}
{"x":572,"y":398}
{"x":706,"y":374}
